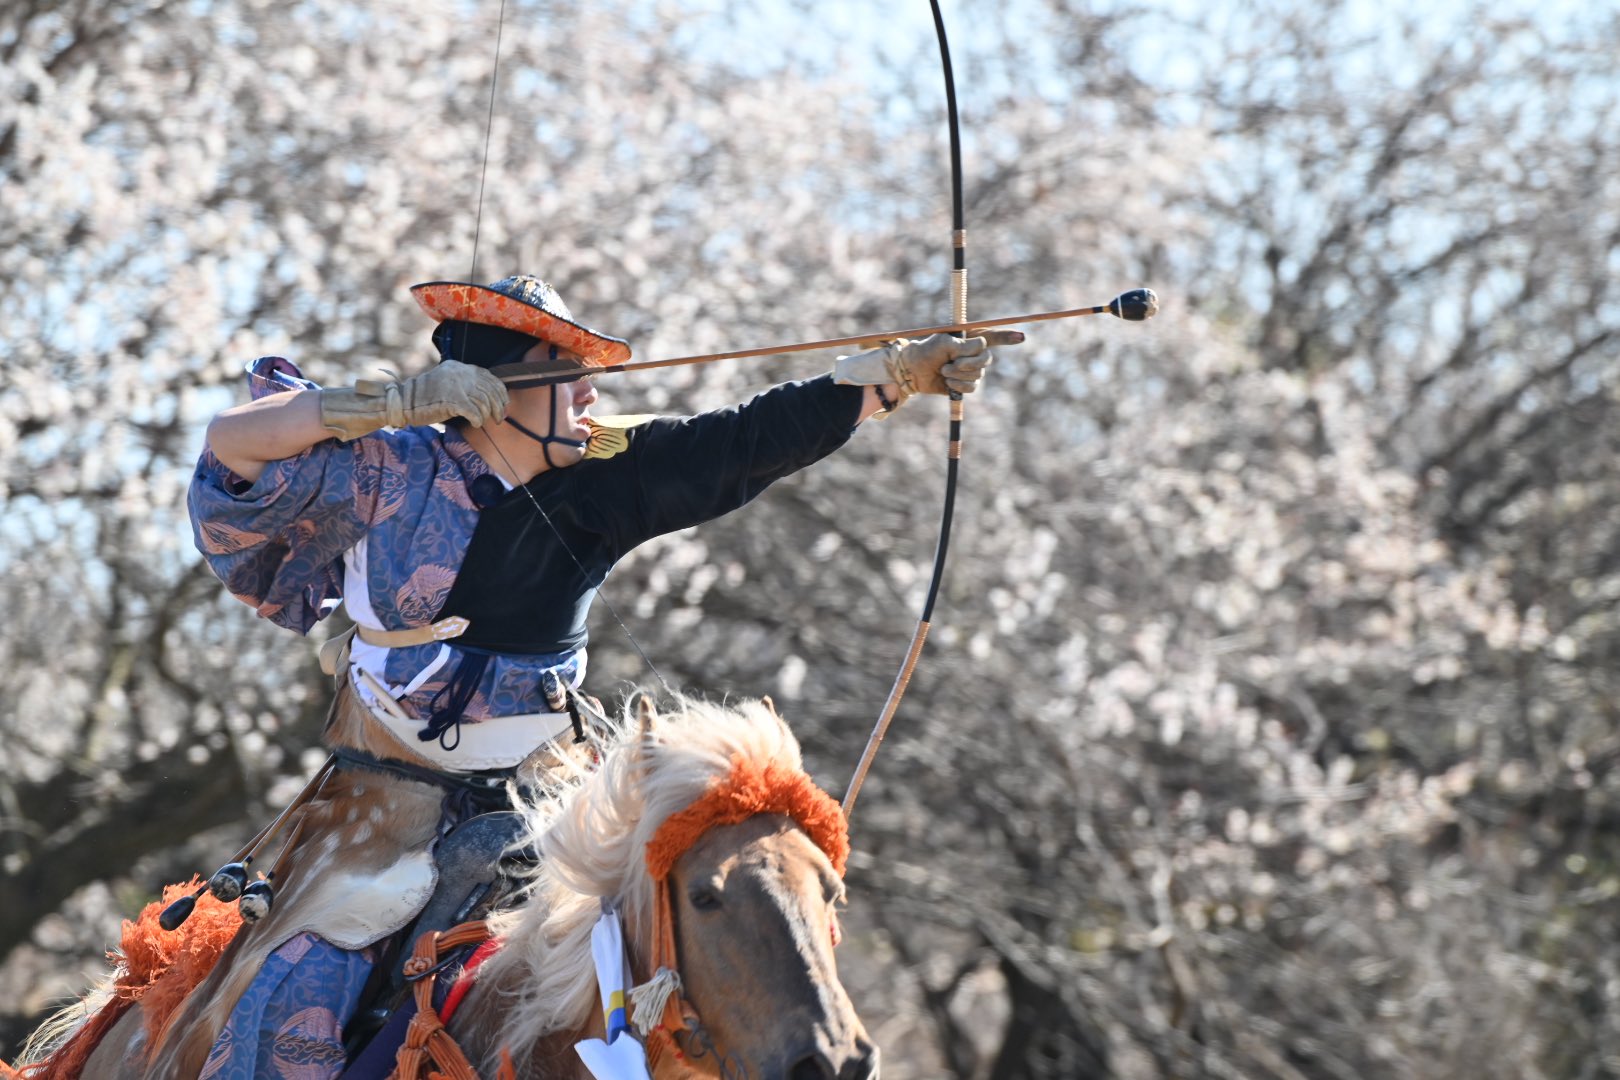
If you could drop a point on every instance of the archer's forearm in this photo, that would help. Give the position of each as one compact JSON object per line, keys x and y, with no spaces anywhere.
{"x":248,"y":437}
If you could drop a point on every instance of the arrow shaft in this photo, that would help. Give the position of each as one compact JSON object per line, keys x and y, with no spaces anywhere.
{"x":809,"y":346}
{"x":869,"y":336}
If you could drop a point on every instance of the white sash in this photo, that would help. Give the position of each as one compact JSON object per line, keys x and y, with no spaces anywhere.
{"x":498,"y":742}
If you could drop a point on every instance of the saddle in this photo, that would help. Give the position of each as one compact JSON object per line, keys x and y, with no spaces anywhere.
{"x":478,"y":864}
{"x":476,"y":860}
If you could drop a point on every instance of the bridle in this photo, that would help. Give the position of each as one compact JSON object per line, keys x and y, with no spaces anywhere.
{"x":662,"y":1012}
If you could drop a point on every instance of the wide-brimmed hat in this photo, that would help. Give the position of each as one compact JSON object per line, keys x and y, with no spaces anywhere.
{"x":524,"y":304}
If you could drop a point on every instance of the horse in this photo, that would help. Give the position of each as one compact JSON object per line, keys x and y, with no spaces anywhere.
{"x":724,"y":862}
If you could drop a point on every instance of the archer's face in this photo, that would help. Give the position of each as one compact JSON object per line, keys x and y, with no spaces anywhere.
{"x":572,"y":401}
{"x":561,"y":408}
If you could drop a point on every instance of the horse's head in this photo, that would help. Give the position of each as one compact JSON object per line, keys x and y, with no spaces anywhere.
{"x":751,"y":876}
{"x":725,"y":862}
{"x":755,"y":912}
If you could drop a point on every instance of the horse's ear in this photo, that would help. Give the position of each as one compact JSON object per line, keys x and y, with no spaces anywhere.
{"x":770,"y":706}
{"x":646,"y":715}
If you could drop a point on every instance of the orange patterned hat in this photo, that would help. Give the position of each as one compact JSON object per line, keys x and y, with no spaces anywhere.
{"x":522,"y":303}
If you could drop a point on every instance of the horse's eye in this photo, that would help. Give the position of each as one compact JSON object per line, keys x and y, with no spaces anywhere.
{"x":703,"y":898}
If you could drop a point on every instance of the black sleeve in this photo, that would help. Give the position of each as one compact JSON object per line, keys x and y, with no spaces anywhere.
{"x":694,"y":469}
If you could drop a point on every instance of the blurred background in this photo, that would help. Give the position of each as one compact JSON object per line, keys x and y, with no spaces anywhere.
{"x":1268,"y":727}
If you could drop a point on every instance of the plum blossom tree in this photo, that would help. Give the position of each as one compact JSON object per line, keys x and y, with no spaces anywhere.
{"x":1266,"y":727}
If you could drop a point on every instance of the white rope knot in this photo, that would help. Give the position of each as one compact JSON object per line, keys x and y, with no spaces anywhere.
{"x":649,"y":1000}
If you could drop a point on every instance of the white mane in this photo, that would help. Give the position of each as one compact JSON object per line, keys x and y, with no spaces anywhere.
{"x":593,"y":841}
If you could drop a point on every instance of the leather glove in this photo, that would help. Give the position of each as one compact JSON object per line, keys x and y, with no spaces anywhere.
{"x":937,"y":364}
{"x":449,"y":390}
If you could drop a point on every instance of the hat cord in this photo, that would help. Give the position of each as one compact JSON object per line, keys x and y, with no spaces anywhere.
{"x":545,"y":441}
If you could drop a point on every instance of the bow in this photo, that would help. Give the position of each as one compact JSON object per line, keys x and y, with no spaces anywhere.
{"x":1136,"y":305}
{"x":954,"y":448}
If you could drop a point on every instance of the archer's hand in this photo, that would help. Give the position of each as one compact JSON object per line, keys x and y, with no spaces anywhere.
{"x":441,"y":393}
{"x":938,"y":364}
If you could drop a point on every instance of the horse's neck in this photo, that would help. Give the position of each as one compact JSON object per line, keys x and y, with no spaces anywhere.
{"x":482,"y":1017}
{"x":554,"y":1058}
{"x":486,"y":1013}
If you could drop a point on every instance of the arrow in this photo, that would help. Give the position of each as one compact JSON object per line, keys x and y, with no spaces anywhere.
{"x":1133,"y":306}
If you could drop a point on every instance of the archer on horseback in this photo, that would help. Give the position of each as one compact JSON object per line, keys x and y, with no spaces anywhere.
{"x":468,"y":558}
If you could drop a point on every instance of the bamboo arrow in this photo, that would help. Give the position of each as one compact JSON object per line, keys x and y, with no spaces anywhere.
{"x":1133,"y":306}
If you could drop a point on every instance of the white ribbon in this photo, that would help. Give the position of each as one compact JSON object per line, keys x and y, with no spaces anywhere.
{"x":619,"y":1056}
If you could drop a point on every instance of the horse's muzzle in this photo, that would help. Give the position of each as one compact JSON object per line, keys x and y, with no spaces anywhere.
{"x":863,"y":1065}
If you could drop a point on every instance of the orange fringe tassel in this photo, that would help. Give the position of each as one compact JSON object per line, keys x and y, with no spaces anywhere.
{"x":156,"y":967}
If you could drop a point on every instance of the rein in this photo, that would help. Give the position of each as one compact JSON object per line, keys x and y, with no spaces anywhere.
{"x":429,"y":1050}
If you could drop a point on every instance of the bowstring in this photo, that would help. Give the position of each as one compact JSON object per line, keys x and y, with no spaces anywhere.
{"x":478,"y":218}
{"x":489,"y":129}
{"x":954,"y":451}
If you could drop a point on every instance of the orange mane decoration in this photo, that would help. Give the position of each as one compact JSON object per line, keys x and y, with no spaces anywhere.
{"x":747,"y":790}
